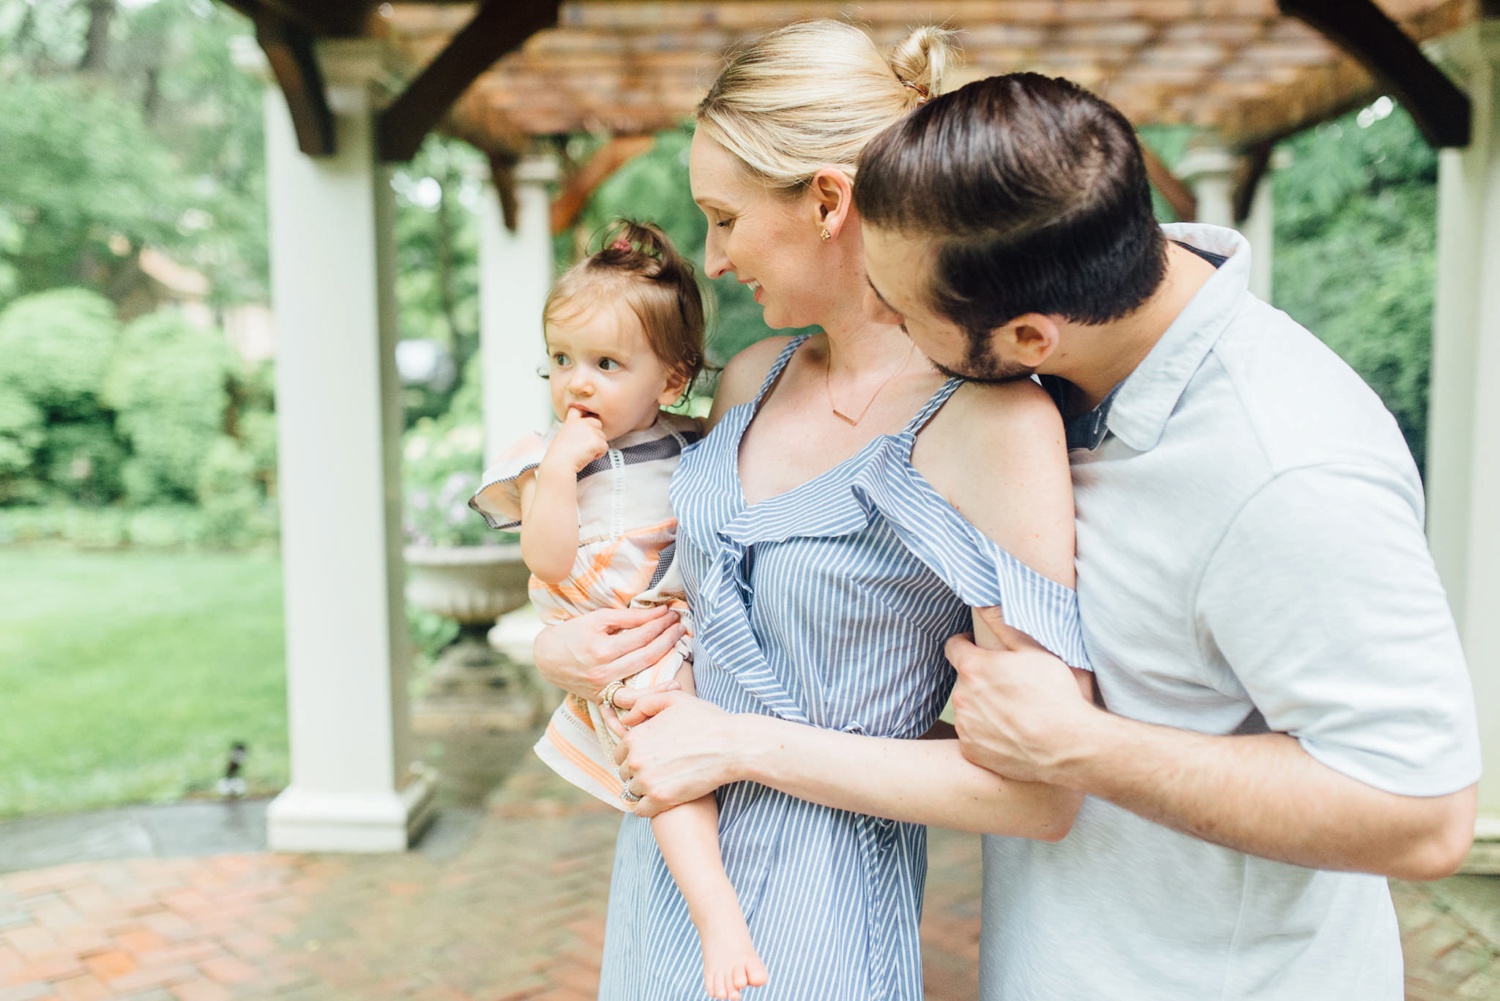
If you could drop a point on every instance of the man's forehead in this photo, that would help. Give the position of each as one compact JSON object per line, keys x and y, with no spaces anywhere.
{"x":896,"y":265}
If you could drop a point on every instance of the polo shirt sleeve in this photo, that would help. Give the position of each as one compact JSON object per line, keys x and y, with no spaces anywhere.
{"x":1323,"y":601}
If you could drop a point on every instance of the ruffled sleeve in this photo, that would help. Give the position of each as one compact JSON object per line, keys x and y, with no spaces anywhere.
{"x":977,"y":570}
{"x":498,"y":499}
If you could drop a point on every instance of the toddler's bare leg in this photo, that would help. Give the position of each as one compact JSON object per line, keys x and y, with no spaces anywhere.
{"x":689,"y":840}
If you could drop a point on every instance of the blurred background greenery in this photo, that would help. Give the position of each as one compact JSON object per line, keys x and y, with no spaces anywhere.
{"x":139,"y":589}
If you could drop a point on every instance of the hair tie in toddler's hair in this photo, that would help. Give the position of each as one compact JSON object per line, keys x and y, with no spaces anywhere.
{"x":621,"y":244}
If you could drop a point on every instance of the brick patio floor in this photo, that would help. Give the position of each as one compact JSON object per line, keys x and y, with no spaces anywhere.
{"x":515,"y":913}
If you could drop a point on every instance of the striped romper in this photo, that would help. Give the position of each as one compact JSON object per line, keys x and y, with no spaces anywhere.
{"x":625,"y":560}
{"x":829,"y":606}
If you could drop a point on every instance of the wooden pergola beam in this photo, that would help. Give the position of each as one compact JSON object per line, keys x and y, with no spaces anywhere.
{"x":323,"y":18}
{"x":609,"y":158}
{"x":498,"y":27}
{"x":1167,"y":184}
{"x":290,"y":50}
{"x":1359,"y":27}
{"x":1254,"y":164}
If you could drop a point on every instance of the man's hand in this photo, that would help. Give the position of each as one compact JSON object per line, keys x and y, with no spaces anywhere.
{"x":579,"y":442}
{"x":678,"y":748}
{"x":1017,"y":710}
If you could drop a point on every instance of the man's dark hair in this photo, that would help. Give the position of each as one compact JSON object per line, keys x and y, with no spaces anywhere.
{"x":1034,"y":192}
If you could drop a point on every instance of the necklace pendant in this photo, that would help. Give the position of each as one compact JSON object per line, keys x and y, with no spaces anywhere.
{"x":852,"y":422}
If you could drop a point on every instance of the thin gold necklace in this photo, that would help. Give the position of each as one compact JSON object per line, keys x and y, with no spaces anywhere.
{"x":854,"y":421}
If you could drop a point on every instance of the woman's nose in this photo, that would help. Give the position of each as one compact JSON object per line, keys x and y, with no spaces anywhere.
{"x":715,"y":261}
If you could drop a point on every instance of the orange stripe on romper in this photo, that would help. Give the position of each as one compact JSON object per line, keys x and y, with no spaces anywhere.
{"x":587,"y":765}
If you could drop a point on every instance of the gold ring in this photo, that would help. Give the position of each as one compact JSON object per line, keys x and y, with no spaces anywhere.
{"x":606,"y":697}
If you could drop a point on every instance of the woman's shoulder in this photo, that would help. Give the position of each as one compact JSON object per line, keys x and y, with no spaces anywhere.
{"x":743,"y":375}
{"x":997,"y":453}
{"x":981,"y":412}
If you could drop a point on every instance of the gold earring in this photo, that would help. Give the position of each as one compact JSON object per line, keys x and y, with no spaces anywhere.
{"x":825,"y":235}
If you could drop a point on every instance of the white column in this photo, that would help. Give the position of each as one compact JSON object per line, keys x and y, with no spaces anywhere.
{"x":515,"y":272}
{"x":1259,"y":230}
{"x":1209,"y":171}
{"x":353,"y":786}
{"x":1463,"y":450}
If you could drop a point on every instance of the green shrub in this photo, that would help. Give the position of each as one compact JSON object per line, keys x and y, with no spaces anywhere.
{"x":84,"y":461}
{"x":168,"y":389}
{"x":57,"y":348}
{"x":235,"y":511}
{"x":22,"y":430}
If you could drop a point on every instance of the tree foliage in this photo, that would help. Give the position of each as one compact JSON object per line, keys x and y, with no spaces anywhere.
{"x":1355,"y":251}
{"x":169,"y":390}
{"x":134,"y":130}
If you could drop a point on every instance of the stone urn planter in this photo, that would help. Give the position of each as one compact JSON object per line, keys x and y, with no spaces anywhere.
{"x":472,"y":684}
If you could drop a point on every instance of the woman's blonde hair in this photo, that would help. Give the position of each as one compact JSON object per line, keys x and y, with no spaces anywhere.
{"x":812,"y":94}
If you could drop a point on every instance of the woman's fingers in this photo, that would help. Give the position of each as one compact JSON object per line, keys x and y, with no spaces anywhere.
{"x":645,"y":706}
{"x":645,"y":647}
{"x":625,"y":698}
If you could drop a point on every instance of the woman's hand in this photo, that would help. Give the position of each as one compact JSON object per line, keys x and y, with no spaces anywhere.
{"x":584,"y":654}
{"x":678,"y":748}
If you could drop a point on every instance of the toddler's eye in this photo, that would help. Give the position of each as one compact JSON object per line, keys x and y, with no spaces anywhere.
{"x":608,"y":364}
{"x":558,"y":358}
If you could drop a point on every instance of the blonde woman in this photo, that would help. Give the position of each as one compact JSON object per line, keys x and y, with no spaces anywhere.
{"x":826,"y":563}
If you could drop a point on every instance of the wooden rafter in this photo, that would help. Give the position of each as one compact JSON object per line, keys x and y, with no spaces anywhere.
{"x":609,"y":158}
{"x":1167,"y":184}
{"x":497,"y":28}
{"x":1253,"y":167}
{"x":322,"y":18}
{"x":290,"y":50}
{"x":1359,"y":27}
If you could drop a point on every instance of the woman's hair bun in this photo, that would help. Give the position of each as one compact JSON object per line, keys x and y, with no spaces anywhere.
{"x":922,"y":58}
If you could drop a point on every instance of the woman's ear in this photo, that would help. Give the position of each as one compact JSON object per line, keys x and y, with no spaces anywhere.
{"x":832,"y":194}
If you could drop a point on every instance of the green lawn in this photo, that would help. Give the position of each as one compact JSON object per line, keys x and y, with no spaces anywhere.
{"x":125,"y":676}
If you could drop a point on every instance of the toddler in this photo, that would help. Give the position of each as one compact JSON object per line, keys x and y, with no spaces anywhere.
{"x":624,"y":331}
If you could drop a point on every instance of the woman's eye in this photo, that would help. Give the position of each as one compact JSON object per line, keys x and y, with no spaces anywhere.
{"x":608,"y":365}
{"x":724,"y":223}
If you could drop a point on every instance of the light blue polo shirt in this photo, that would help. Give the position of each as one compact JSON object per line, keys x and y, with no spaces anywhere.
{"x":1250,"y":556}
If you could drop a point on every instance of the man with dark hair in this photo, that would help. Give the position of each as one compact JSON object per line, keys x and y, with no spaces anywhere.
{"x":1287,"y":718}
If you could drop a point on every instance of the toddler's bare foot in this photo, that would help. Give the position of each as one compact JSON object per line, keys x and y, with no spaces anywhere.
{"x":730,"y":962}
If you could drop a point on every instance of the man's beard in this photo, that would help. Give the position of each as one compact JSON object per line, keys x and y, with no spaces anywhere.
{"x":981,"y":365}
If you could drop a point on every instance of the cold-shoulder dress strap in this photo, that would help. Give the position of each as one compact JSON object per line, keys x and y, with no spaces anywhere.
{"x":932,"y":406}
{"x":777,"y":367}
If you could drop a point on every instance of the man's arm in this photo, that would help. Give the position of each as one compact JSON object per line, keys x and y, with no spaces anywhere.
{"x":1260,"y":794}
{"x":1321,"y":603}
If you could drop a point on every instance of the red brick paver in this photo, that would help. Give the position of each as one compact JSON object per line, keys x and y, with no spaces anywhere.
{"x":517,"y":915}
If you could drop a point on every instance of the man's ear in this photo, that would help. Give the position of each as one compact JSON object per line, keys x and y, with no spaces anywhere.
{"x":832,"y":195}
{"x":1029,"y":339}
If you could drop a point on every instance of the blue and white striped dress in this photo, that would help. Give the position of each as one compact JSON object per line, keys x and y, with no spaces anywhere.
{"x":827,"y":605}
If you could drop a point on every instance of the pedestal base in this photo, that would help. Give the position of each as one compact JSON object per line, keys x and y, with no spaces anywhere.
{"x":309,"y":820}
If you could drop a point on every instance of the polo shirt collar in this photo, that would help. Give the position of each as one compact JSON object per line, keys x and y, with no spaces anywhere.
{"x":1142,"y":403}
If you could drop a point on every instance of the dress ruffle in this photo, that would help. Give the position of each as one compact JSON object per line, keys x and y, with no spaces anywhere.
{"x":981,"y":573}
